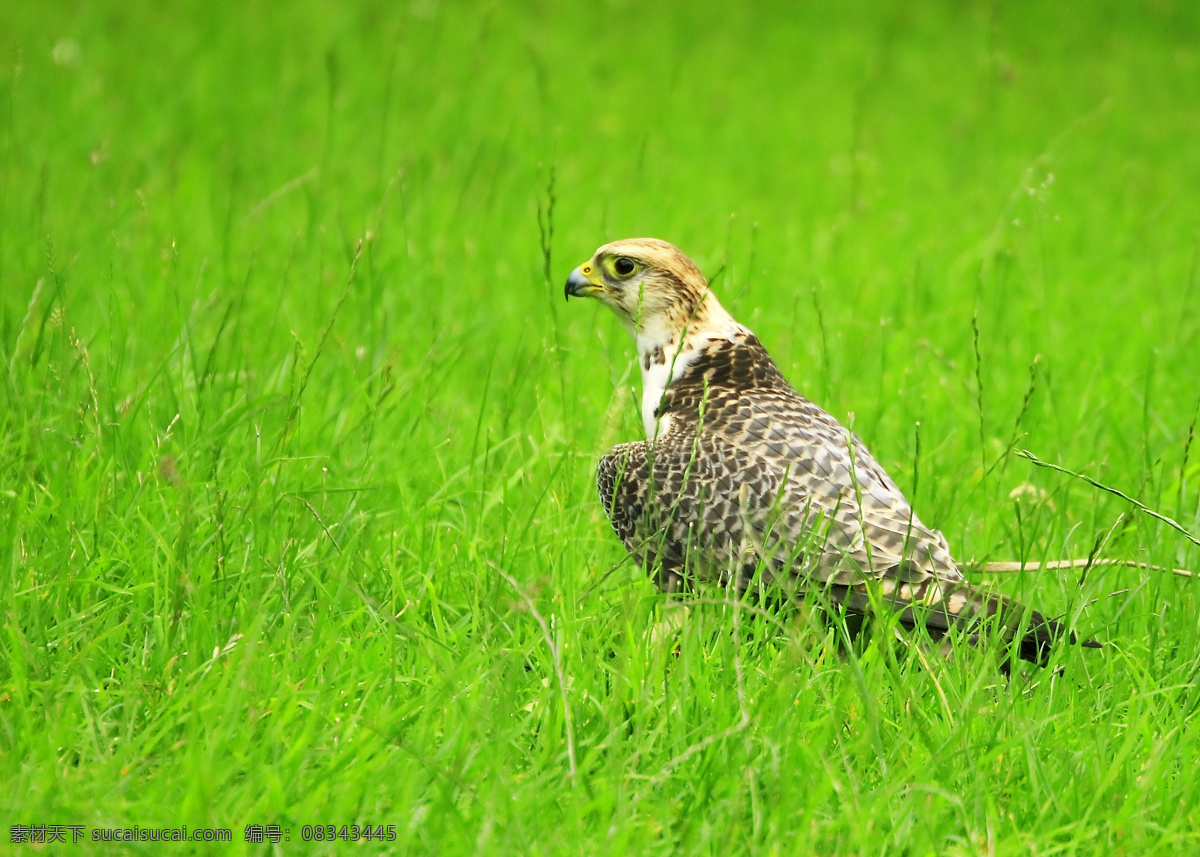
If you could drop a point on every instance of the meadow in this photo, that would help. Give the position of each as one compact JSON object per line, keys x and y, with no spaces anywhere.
{"x":297,"y":436}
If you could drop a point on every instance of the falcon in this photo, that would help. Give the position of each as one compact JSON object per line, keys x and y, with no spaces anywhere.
{"x":742,"y":481}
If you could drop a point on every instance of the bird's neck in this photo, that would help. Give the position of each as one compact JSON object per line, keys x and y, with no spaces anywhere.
{"x":668,"y":346}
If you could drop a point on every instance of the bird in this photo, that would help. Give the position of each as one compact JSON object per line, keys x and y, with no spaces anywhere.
{"x":742,"y":481}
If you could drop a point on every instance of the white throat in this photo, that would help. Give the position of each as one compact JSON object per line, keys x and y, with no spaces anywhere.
{"x":664,"y":358}
{"x":655,"y":381}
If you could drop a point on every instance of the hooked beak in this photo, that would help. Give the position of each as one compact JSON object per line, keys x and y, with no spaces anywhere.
{"x":580,"y":284}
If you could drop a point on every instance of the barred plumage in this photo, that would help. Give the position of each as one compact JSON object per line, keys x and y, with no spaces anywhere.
{"x":742,"y":480}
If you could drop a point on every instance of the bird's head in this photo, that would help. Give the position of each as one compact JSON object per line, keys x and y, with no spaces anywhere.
{"x":652,"y":286}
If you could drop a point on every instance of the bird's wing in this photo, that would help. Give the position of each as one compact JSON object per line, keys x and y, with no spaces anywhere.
{"x":789,"y":503}
{"x":871,"y":529}
{"x":789,"y":510}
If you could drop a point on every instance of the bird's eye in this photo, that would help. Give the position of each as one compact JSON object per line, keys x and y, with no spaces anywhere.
{"x":624,"y":267}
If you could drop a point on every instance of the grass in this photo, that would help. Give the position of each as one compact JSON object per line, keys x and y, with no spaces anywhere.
{"x":297,"y":438}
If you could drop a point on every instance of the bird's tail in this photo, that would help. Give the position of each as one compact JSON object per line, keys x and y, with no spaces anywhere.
{"x":940,"y":605}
